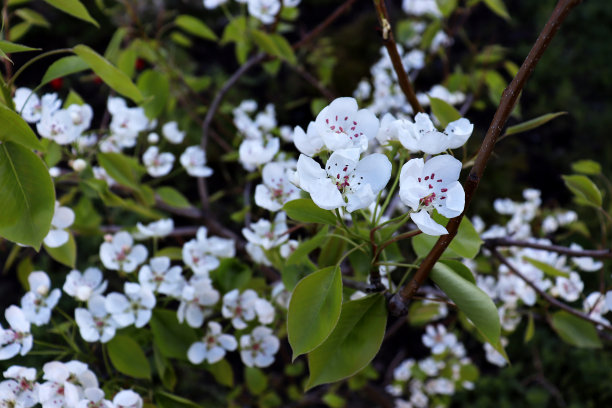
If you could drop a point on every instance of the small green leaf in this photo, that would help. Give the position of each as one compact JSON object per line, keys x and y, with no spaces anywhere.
{"x":73,"y":98}
{"x":446,"y":7}
{"x":19,"y":30}
{"x":15,"y":129}
{"x":65,"y":254}
{"x":460,"y":269}
{"x":256,"y":380}
{"x":546,"y":268}
{"x":164,"y":368}
{"x":181,"y":39}
{"x":75,"y":8}
{"x":234,"y":31}
{"x":128,"y":358}
{"x":165,"y":399}
{"x":11,"y":48}
{"x":125,"y":170}
{"x":575,"y":330}
{"x":196,"y":27}
{"x":585,"y":191}
{"x":529,"y":330}
{"x":110,"y":74}
{"x":126,"y":62}
{"x":532,"y":124}
{"x":32,"y":17}
{"x":27,"y":195}
{"x":305,"y":210}
{"x":275,"y":45}
{"x":63,"y":67}
{"x":154,"y":85}
{"x":465,"y":245}
{"x":420,"y":313}
{"x":444,"y":111}
{"x":172,"y":197}
{"x":354,"y":342}
{"x":172,"y":338}
{"x":231,"y":274}
{"x":304,"y":248}
{"x":174,"y":253}
{"x":223,"y":372}
{"x":498,"y":7}
{"x":470,"y":299}
{"x":314,"y":309}
{"x":589,"y":167}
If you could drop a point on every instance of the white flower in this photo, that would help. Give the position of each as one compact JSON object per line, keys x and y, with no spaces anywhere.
{"x":201,"y":254}
{"x":20,"y":389}
{"x":442,"y":386}
{"x":585,"y":263}
{"x":255,"y":152}
{"x":258,"y":348}
{"x":95,"y":323}
{"x":264,"y":310}
{"x":160,"y":277}
{"x":430,"y":367}
{"x":127,"y":399}
{"x":493,"y":356}
{"x":81,"y":116}
{"x":341,"y":125}
{"x":152,"y":138}
{"x":213,"y":346}
{"x":157,"y":164}
{"x":388,"y":129}
{"x":17,"y":339}
{"x":31,"y":108}
{"x":309,"y":142}
{"x":39,"y":301}
{"x":85,"y":285}
{"x":65,"y":383}
{"x":135,"y":307}
{"x":196,"y":299}
{"x":157,"y":229}
{"x":93,"y":397}
{"x":126,"y":123}
{"x":58,"y":127}
{"x":403,"y":372}
{"x":78,"y":165}
{"x":595,"y":306}
{"x":264,"y":10}
{"x":63,"y":217}
{"x":421,"y":7}
{"x":119,"y":253}
{"x":268,"y":234}
{"x":172,"y":133}
{"x":425,"y":186}
{"x":423,"y":136}
{"x":193,"y":160}
{"x":239,"y":307}
{"x":437,"y":339}
{"x":276,"y":189}
{"x":346,"y":180}
{"x":213,"y":4}
{"x":570,"y":288}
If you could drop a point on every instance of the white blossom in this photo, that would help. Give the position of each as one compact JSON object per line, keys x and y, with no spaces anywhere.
{"x":63,"y":217}
{"x":127,"y":399}
{"x":159,"y":276}
{"x":120,"y":253}
{"x":157,"y":229}
{"x":38,"y":302}
{"x":135,"y":307}
{"x":17,"y":339}
{"x":196,"y":299}
{"x":193,"y":160}
{"x":157,"y":164}
{"x":239,"y":307}
{"x":258,"y":348}
{"x":172,"y":133}
{"x":276,"y":189}
{"x":95,"y":323}
{"x":202,"y":254}
{"x":213,"y":346}
{"x":84,"y":285}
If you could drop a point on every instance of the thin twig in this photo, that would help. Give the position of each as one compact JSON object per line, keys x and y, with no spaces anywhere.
{"x":396,"y":59}
{"x":397,"y":304}
{"x":324,"y":24}
{"x":592,"y":253}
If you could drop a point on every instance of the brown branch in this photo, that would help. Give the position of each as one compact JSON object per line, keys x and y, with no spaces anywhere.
{"x":324,"y":24}
{"x":396,"y":60}
{"x":553,"y":301}
{"x":592,"y":253}
{"x":397,"y":304}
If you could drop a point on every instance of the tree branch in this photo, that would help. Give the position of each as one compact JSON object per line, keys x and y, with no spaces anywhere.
{"x":397,"y":304}
{"x":324,"y":24}
{"x":592,"y":253}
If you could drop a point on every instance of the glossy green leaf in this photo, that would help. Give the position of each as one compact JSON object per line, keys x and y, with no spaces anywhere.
{"x":498,"y":7}
{"x":15,"y":129}
{"x":32,"y":17}
{"x":575,"y":330}
{"x":27,"y":195}
{"x":63,"y":67}
{"x":11,"y":47}
{"x":110,"y":74}
{"x":172,"y":197}
{"x":304,"y":248}
{"x":75,"y":8}
{"x":546,"y":268}
{"x":305,"y":210}
{"x":155,"y":88}
{"x":447,"y":6}
{"x":585,"y":191}
{"x":256,"y":380}
{"x":292,"y":274}
{"x":234,"y":31}
{"x":231,"y":274}
{"x":181,"y":39}
{"x":126,"y":62}
{"x":495,"y":84}
{"x":460,"y":269}
{"x":125,"y":170}
{"x":470,"y":299}
{"x":223,"y":372}
{"x":24,"y":269}
{"x":128,"y":358}
{"x":19,"y":30}
{"x":65,"y":254}
{"x":354,"y":342}
{"x":314,"y":309}
{"x":275,"y":45}
{"x":195,"y":26}
{"x":73,"y":98}
{"x":589,"y":167}
{"x":172,"y":338}
{"x":532,"y":124}
{"x":174,"y":253}
{"x":466,"y":243}
{"x":421,"y":313}
{"x":444,"y":111}
{"x":529,"y":330}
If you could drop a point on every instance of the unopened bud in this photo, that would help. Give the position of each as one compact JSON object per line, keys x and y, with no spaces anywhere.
{"x":153,"y":138}
{"x":79,"y":165}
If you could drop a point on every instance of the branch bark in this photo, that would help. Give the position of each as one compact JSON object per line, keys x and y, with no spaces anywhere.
{"x":592,"y":253}
{"x":398,"y":303}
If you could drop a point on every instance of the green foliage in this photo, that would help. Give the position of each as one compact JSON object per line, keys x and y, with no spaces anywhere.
{"x":305,"y":210}
{"x":585,"y":191}
{"x":546,"y":268}
{"x":65,"y":254}
{"x":195,"y":26}
{"x":155,"y":88}
{"x":532,"y":124}
{"x":172,"y":338}
{"x":128,"y":358}
{"x":64,"y":67}
{"x":575,"y":330}
{"x":125,"y":170}
{"x":75,"y":8}
{"x":15,"y":129}
{"x":445,"y":112}
{"x":465,"y":245}
{"x":588,"y":167}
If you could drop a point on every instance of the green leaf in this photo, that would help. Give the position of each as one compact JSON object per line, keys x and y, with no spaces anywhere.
{"x":575,"y":330}
{"x":172,"y":197}
{"x":256,"y":380}
{"x":196,"y":27}
{"x":65,"y":254}
{"x":27,"y":195}
{"x":24,"y":269}
{"x":155,"y":88}
{"x":63,"y":67}
{"x":354,"y":342}
{"x":164,"y":368}
{"x":11,"y":48}
{"x":73,"y":98}
{"x":445,"y":112}
{"x":181,"y":39}
{"x":546,"y":268}
{"x":112,"y":49}
{"x":223,"y":373}
{"x":470,"y":299}
{"x":529,"y":330}
{"x":585,"y":191}
{"x":110,"y":74}
{"x":532,"y":124}
{"x":498,"y":7}
{"x":314,"y":309}
{"x":75,"y":8}
{"x":19,"y":30}
{"x":292,"y":274}
{"x":420,"y":313}
{"x":126,"y":62}
{"x":589,"y":167}
{"x":172,"y":338}
{"x":15,"y":129}
{"x":496,"y":84}
{"x":304,"y":248}
{"x":275,"y":45}
{"x":32,"y":17}
{"x":165,"y":399}
{"x":234,"y":31}
{"x":446,"y":7}
{"x":460,"y":269}
{"x":174,"y":253}
{"x":125,"y":170}
{"x":128,"y":358}
{"x":305,"y":210}
{"x":231,"y":274}
{"x":466,"y":243}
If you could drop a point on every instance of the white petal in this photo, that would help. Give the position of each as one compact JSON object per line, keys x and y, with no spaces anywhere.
{"x":309,"y":171}
{"x":197,"y":352}
{"x":455,"y":201}
{"x":375,"y":170}
{"x":215,"y":354}
{"x":325,"y":194}
{"x":56,"y":238}
{"x":63,"y":217}
{"x":426,"y":224}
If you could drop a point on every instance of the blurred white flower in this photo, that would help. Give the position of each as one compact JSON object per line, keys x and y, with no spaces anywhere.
{"x":213,"y":346}
{"x":63,"y":217}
